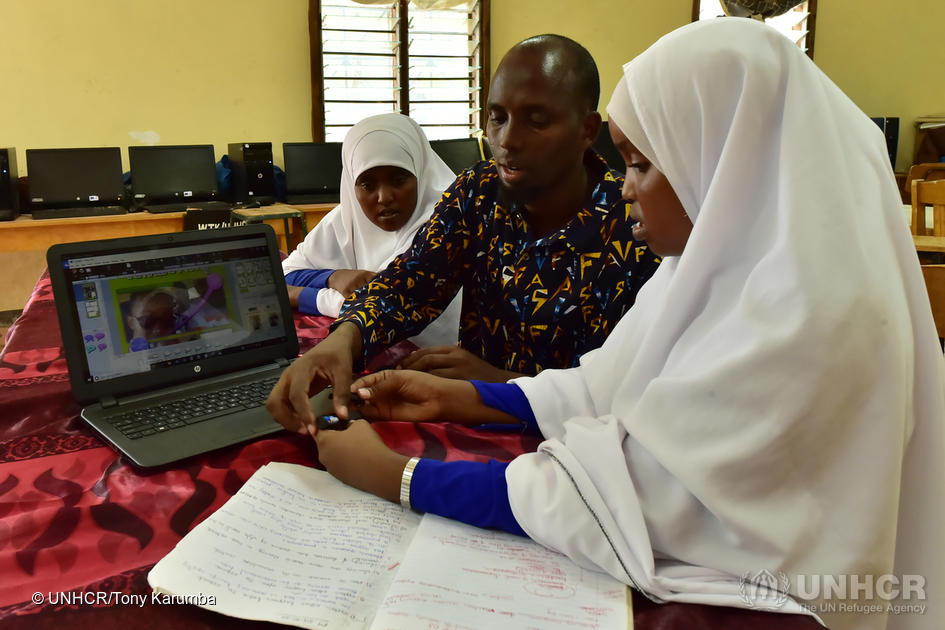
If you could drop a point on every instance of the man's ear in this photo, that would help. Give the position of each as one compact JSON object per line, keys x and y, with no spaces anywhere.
{"x":590,"y":128}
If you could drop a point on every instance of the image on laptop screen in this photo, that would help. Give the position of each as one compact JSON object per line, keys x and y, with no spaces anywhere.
{"x":74,"y":177}
{"x":162,"y":174}
{"x":144,"y":311}
{"x":312,"y":167}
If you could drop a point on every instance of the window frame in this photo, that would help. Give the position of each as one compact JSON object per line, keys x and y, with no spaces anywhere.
{"x":403,"y":78}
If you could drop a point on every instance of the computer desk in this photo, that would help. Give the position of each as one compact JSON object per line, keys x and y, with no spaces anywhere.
{"x":24,"y":241}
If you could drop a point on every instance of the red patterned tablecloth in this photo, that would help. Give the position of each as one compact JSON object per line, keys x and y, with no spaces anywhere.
{"x":76,"y":517}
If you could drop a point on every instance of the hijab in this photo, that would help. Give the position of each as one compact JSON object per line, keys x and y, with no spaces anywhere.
{"x":346,"y":239}
{"x":771,"y":409}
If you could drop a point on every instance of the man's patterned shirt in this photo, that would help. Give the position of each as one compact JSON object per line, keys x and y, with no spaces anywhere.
{"x":528,"y":304}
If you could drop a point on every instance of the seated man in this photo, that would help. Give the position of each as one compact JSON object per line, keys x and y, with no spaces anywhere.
{"x":538,"y":239}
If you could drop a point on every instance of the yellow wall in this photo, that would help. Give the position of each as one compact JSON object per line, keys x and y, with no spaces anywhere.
{"x":104,"y":72}
{"x":612,"y":31}
{"x":887,"y":57}
{"x":891,"y":62}
{"x":100,"y":72}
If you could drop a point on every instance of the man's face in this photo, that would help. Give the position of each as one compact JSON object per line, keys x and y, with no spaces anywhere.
{"x":536,"y":128}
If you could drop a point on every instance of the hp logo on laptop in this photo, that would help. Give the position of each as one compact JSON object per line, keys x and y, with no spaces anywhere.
{"x":197,"y":369}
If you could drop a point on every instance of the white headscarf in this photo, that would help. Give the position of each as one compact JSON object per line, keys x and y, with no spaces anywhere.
{"x":346,"y":239}
{"x":775,"y":399}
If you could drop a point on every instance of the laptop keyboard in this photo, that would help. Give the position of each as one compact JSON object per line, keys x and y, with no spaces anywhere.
{"x":191,"y":410}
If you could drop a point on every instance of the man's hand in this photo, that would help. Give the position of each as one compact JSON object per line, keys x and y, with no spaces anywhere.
{"x":454,"y":362}
{"x":328,"y":363}
{"x":294,"y":293}
{"x":358,"y":457}
{"x":347,"y":281}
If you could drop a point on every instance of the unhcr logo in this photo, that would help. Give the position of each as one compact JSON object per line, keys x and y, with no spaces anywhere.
{"x":764,"y":590}
{"x":864,"y":594}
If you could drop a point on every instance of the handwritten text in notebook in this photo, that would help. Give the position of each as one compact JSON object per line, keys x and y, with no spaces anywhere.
{"x":296,"y":546}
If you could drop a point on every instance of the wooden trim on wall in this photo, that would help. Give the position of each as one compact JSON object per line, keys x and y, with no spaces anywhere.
{"x":318,"y":80}
{"x":403,"y":34}
{"x":811,"y":22}
{"x":485,"y":54}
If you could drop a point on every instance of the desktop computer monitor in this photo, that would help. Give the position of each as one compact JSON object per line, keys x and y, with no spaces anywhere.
{"x":458,"y":153}
{"x":74,"y":178}
{"x":167,"y":174}
{"x":312,"y":171}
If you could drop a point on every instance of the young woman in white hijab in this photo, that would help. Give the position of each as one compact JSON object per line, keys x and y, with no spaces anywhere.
{"x":391,"y":179}
{"x":772,"y":407}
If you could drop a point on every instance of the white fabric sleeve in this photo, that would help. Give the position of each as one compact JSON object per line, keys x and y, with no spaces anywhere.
{"x":329,"y":301}
{"x":555,"y":396}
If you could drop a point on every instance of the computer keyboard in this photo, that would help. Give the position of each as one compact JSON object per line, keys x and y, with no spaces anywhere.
{"x":68,"y":213}
{"x":193,"y":205}
{"x":193,"y":409}
{"x":313,"y":198}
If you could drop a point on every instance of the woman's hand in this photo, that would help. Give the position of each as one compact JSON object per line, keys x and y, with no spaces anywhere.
{"x":294,"y":293}
{"x":358,"y":457}
{"x":407,"y":396}
{"x":347,"y":281}
{"x":454,"y":362}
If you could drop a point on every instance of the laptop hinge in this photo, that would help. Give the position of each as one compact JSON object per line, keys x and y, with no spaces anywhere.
{"x":282,"y":362}
{"x":108,"y":402}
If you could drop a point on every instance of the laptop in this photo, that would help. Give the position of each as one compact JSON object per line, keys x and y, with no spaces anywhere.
{"x":171,"y":321}
{"x":312,"y":172}
{"x":172,"y":178}
{"x":75,"y":182}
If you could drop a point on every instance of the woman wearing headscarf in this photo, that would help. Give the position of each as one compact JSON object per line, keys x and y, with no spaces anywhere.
{"x":764,"y":428}
{"x":390,"y":181}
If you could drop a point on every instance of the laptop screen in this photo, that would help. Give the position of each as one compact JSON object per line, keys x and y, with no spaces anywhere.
{"x":155,"y":309}
{"x":173,"y":173}
{"x":312,"y":167}
{"x":74,"y":177}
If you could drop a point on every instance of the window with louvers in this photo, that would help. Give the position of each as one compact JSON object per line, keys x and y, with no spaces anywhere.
{"x":425,"y":58}
{"x":797,"y":24}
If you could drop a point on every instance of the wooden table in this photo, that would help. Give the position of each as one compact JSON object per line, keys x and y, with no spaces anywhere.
{"x":287,"y":214}
{"x":929,"y":243}
{"x":23,"y":242}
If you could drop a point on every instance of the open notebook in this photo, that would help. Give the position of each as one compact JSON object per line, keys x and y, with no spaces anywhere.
{"x":299,"y":547}
{"x":173,"y":341}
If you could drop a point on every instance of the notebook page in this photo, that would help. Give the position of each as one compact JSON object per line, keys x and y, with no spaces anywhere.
{"x":295,"y":546}
{"x":457,"y":576}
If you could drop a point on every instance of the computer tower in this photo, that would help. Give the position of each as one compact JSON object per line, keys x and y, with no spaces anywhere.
{"x":9,"y":197}
{"x":890,"y":128}
{"x":251,"y":172}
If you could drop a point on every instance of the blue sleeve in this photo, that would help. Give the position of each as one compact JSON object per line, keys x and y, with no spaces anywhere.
{"x":471,"y":492}
{"x":315,"y":278}
{"x":510,"y":398}
{"x":308,"y":301}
